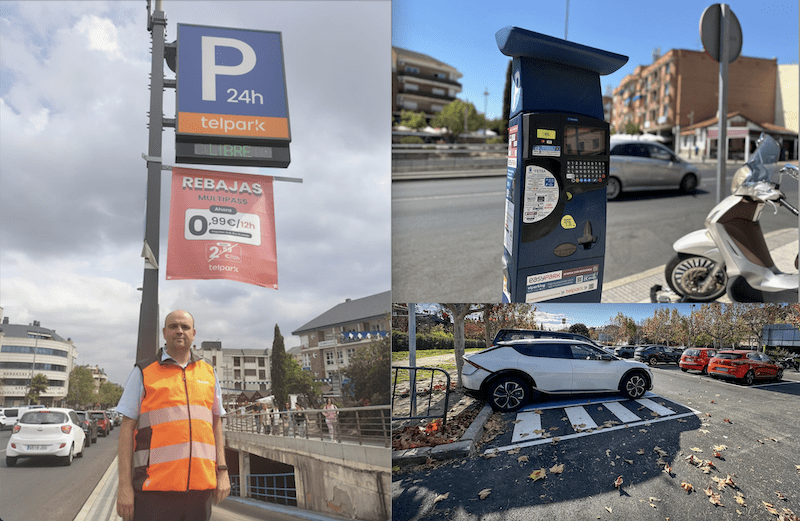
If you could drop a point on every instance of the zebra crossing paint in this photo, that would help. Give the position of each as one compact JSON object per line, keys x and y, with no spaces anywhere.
{"x":565,"y":420}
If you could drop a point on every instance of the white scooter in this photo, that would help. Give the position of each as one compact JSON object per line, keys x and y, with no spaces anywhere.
{"x":730,"y":254}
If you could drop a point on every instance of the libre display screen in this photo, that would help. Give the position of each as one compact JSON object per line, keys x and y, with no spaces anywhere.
{"x":584,"y":141}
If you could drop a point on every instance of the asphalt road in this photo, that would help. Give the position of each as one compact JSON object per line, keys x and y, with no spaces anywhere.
{"x":447,"y":235}
{"x":42,"y":489}
{"x":758,"y":426}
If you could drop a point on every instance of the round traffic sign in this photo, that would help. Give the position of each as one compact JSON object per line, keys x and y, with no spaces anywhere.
{"x":710,"y":25}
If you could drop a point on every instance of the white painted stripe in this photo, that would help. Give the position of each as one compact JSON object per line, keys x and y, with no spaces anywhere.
{"x":579,"y":418}
{"x":581,"y":434}
{"x":621,"y":412}
{"x":529,"y":422}
{"x":653,"y":406}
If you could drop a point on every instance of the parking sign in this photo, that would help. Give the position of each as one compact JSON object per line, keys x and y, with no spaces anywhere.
{"x":232,"y":105}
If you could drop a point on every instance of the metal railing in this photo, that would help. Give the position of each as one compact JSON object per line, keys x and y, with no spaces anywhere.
{"x":414,"y":395}
{"x":273,"y":488}
{"x":363,"y":425}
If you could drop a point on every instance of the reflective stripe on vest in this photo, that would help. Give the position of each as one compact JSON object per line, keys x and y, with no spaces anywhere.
{"x":174,"y":441}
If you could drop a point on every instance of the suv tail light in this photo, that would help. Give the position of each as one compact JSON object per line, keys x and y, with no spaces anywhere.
{"x":16,"y":429}
{"x":66,"y":429}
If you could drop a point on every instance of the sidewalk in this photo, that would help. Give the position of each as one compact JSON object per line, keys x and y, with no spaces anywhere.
{"x":102,"y":506}
{"x":636,"y":288}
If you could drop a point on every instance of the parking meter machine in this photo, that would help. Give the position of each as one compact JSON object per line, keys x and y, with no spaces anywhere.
{"x":558,"y":155}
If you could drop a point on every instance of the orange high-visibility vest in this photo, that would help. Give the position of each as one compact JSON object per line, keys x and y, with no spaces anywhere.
{"x":174,"y":442}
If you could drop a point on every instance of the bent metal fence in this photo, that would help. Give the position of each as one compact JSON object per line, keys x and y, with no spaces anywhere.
{"x":406,"y":403}
{"x":363,"y":425}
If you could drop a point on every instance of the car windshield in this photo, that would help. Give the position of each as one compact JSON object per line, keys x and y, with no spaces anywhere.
{"x":43,"y":418}
{"x":692,"y":352}
{"x":729,"y":356}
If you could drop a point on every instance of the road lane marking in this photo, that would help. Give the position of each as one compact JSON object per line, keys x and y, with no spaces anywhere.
{"x":580,"y":419}
{"x":528,"y":423}
{"x":621,"y":412}
{"x":653,"y":406}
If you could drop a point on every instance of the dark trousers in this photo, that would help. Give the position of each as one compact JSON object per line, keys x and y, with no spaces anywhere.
{"x":194,"y":505}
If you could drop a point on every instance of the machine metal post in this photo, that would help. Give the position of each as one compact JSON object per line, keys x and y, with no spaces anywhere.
{"x":722,"y":139}
{"x":148,"y":342}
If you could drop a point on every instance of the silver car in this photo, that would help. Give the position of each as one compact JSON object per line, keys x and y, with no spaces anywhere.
{"x":643,"y":165}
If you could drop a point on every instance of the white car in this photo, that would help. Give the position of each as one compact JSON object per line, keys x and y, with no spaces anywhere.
{"x":46,"y":432}
{"x":510,"y":374}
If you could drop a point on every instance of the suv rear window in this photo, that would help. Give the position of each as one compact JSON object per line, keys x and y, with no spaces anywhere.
{"x":543,"y":350}
{"x":99,"y":415}
{"x":43,"y":418}
{"x":692,"y":352}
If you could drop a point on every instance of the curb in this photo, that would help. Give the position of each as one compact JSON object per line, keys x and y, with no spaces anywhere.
{"x":463,"y":448}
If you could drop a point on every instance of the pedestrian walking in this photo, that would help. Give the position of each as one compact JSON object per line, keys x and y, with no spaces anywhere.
{"x":300,"y":419}
{"x":331,"y":419}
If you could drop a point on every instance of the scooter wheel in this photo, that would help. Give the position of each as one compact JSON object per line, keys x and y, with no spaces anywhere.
{"x":685,"y":274}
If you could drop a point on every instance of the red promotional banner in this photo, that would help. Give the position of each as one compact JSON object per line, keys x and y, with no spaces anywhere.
{"x":222,"y":226}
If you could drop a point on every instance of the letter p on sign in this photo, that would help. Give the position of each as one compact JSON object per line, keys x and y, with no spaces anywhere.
{"x":210,"y":68}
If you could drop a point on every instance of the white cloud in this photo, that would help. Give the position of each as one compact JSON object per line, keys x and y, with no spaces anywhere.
{"x":101,"y":35}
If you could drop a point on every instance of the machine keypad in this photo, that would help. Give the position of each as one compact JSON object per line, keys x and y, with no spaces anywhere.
{"x":586,"y":171}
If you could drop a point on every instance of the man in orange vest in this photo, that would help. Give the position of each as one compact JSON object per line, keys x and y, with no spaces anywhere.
{"x":171,"y":448}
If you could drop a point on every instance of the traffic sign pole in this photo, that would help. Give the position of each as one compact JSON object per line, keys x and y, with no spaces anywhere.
{"x":148,"y":341}
{"x":722,"y":139}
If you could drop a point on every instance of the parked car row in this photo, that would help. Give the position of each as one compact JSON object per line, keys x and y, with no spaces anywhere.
{"x":733,"y":364}
{"x":55,"y":431}
{"x":651,"y":354}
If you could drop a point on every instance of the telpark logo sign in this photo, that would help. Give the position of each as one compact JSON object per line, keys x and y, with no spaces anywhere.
{"x":222,"y":226}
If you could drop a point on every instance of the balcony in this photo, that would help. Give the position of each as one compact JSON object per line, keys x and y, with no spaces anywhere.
{"x":348,"y":337}
{"x":428,"y":77}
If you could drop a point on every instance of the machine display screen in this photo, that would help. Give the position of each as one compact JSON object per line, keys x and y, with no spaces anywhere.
{"x":584,"y":141}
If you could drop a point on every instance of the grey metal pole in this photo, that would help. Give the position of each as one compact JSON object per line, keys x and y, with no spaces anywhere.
{"x":412,"y":355}
{"x":722,"y":139}
{"x":148,"y":342}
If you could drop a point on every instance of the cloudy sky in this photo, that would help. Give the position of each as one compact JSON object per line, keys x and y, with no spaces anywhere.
{"x":74,"y":97}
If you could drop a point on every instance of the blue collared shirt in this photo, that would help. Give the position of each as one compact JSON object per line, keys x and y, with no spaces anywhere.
{"x":131,"y":401}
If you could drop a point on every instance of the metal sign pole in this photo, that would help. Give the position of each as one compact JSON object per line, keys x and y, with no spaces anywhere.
{"x":722,"y":139}
{"x":148,"y":342}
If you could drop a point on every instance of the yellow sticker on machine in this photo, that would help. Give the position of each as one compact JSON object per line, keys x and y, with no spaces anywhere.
{"x":543,"y":133}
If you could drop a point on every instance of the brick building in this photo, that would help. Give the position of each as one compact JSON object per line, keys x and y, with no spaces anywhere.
{"x":680,"y":89}
{"x":421,"y":83}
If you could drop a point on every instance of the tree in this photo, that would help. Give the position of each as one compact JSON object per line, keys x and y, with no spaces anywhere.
{"x":413,"y":119}
{"x":627,"y":331}
{"x":506,"y":316}
{"x":452,"y":117}
{"x":278,"y":369}
{"x":368,"y":370}
{"x":300,"y":382}
{"x":459,"y":313}
{"x":753,"y":317}
{"x":81,"y":389}
{"x":109,"y":394}
{"x":39,"y":384}
{"x":579,"y":329}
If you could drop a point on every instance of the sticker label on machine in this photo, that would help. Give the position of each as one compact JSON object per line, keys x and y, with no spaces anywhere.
{"x":541,"y":194}
{"x":561,"y":283}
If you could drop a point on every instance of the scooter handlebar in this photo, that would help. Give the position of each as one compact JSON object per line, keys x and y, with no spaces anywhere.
{"x":783,"y":202}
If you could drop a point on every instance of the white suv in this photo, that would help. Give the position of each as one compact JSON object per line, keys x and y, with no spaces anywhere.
{"x":510,"y":374}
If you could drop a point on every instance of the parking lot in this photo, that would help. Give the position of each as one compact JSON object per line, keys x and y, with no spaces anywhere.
{"x":540,"y":465}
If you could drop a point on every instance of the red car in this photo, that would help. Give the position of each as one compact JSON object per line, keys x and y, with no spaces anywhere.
{"x":103,"y":422}
{"x":696,"y":358}
{"x":745,"y":366}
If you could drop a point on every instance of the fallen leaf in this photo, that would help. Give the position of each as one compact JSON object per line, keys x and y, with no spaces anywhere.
{"x":441,"y":497}
{"x":687,"y":486}
{"x":712,"y":401}
{"x":726,"y":420}
{"x":536,"y":475}
{"x":608,"y":452}
{"x":522,"y":459}
{"x":642,"y":431}
{"x":618,"y":482}
{"x":557,"y":469}
{"x":740,"y":500}
{"x":704,"y":431}
{"x":483,"y":494}
{"x":515,"y":451}
{"x":717,"y":454}
{"x":720,"y":447}
{"x":668,"y":469}
{"x":537,"y":411}
{"x":681,"y":420}
{"x":780,"y":496}
{"x":609,"y":509}
{"x":708,"y":490}
{"x":715,"y":499}
{"x":770,"y":508}
{"x":695,"y":449}
{"x":640,"y":452}
{"x":654,"y":499}
{"x":629,"y":461}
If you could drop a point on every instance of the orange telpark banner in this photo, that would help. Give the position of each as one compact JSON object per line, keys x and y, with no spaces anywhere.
{"x":222,"y":226}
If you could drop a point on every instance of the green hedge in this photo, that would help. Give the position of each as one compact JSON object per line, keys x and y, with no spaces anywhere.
{"x":430,"y":341}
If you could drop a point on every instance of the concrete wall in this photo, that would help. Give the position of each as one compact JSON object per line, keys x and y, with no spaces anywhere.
{"x":333,"y":478}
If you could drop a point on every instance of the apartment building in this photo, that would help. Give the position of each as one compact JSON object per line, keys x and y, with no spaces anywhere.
{"x":680,"y":89}
{"x":330,"y":340}
{"x":421,"y":83}
{"x":238,"y":369}
{"x":27,"y":350}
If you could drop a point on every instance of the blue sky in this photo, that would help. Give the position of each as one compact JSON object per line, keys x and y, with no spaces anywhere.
{"x":461,"y":34}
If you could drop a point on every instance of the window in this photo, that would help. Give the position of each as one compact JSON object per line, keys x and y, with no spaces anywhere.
{"x":237,"y":374}
{"x":306,"y":360}
{"x":341,"y":357}
{"x":583,"y":352}
{"x":439,"y":92}
{"x":543,"y":350}
{"x":350,"y":353}
{"x":414,"y":70}
{"x":410,"y":86}
{"x":214,"y":360}
{"x":262,"y":374}
{"x":236,"y":361}
{"x":321,"y":336}
{"x":261,"y":361}
{"x":249,"y":372}
{"x":329,"y":358}
{"x":249,"y":359}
